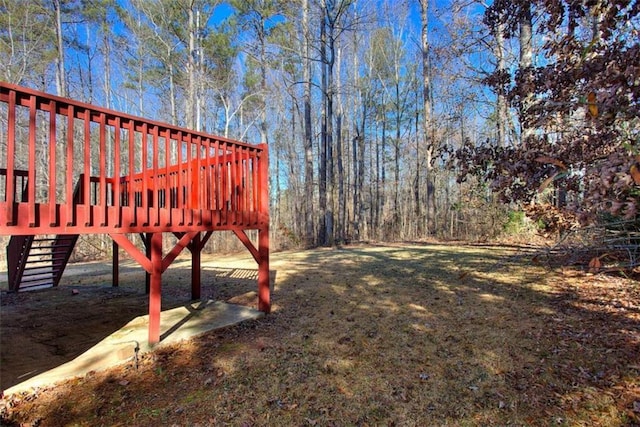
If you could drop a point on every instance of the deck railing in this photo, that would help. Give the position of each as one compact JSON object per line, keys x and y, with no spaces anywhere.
{"x":136,"y":175}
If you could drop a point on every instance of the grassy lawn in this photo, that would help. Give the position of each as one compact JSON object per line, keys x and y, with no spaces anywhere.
{"x":386,"y":335}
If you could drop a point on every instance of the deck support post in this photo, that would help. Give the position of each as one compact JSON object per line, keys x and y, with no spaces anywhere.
{"x":196,"y":249}
{"x":261,"y":255}
{"x":264,"y":282}
{"x":154,"y":265}
{"x":264,"y":288}
{"x":115,"y":266}
{"x":155,"y":294}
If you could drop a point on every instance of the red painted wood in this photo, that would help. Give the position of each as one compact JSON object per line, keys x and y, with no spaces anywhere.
{"x":206,"y":177}
{"x":264,"y":287}
{"x":115,"y":264}
{"x":86,"y":177}
{"x":155,"y":181}
{"x":116,"y":173}
{"x":225,"y":184}
{"x":70,"y":203}
{"x":42,"y":101}
{"x":131,"y":159}
{"x":197,"y":184}
{"x":205,"y":239}
{"x":190,"y":178}
{"x":11,"y":147}
{"x":243,"y":182}
{"x":215,"y":178}
{"x":123,"y":241}
{"x":255,"y":187}
{"x":233,"y":186}
{"x":31,"y":183}
{"x":196,"y":188}
{"x":181,"y":183}
{"x":155,"y":294}
{"x":146,"y":240}
{"x":17,"y":252}
{"x":52,"y":164}
{"x":182,"y":243}
{"x":103,"y":169}
{"x":145,"y":175}
{"x":240,"y":234}
{"x":196,"y":250}
{"x":167,"y":185}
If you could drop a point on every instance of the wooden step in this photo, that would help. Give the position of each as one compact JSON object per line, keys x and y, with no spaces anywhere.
{"x":50,"y":247}
{"x":27,"y":280}
{"x":42,"y":267}
{"x":40,"y":262}
{"x":36,"y":286}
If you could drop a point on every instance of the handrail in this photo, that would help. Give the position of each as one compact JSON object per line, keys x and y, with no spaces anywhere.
{"x":137,"y":175}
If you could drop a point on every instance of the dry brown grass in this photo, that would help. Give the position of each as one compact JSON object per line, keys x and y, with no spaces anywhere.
{"x":387,"y":335}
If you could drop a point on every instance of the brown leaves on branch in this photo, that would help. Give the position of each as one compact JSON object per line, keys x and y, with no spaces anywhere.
{"x":583,"y":105}
{"x":593,"y":106}
{"x":551,"y":160}
{"x":553,"y":220}
{"x":595,"y":265}
{"x":634,"y":171}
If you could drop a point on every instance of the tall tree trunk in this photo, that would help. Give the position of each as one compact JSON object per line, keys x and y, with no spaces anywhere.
{"x":140,"y":86}
{"x":375,"y":223}
{"x":61,"y":84}
{"x":106,"y":45}
{"x":342,"y":207}
{"x":525,"y":62}
{"x":190,"y":101}
{"x":358,"y":173}
{"x":329,"y":238}
{"x":501,"y":99}
{"x":199,"y":75}
{"x":358,"y":148}
{"x":429,"y":137}
{"x":322,"y":168}
{"x":263,"y":81}
{"x":295,"y":194}
{"x":172,"y":95}
{"x":416,"y":181}
{"x":356,"y":189}
{"x":308,"y":141}
{"x":383,"y":173}
{"x":396,"y":156}
{"x":360,"y":176}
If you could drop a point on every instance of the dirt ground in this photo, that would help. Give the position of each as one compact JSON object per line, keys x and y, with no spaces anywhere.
{"x":406,"y":334}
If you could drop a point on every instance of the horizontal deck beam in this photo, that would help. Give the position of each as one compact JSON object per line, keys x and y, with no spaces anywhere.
{"x":197,"y":220}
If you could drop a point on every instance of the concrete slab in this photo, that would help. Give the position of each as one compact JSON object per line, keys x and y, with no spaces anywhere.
{"x":130,"y":341}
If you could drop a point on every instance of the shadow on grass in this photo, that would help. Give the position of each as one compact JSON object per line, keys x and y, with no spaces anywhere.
{"x":384,"y":335}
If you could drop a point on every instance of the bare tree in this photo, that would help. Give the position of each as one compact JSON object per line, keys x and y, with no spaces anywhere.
{"x":427,"y":126}
{"x":61,"y":85}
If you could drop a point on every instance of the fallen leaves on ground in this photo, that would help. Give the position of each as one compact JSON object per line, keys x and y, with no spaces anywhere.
{"x":386,"y":335}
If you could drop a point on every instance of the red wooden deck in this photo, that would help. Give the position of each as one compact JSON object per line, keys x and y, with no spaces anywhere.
{"x":71,"y":168}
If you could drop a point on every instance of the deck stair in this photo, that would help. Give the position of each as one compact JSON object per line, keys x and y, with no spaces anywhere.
{"x":37,"y":262}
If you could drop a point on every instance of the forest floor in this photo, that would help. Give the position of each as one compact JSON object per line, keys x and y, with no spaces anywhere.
{"x":400,"y":334}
